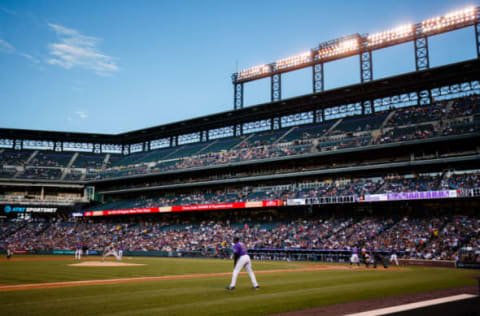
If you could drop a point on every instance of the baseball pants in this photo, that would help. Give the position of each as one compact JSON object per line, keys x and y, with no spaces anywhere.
{"x":243,"y":261}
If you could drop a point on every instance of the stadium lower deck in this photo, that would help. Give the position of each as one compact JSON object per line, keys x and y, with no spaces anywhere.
{"x":416,"y":230}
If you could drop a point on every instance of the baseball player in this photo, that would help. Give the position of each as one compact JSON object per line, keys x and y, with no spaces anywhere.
{"x":120,"y":250}
{"x":354,"y":258}
{"x":9,"y":251}
{"x":380,"y":258}
{"x":366,"y":258}
{"x":241,"y":260}
{"x":78,"y":251}
{"x":110,"y":251}
{"x":393,"y":257}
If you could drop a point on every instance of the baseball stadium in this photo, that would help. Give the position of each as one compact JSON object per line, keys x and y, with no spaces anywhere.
{"x":362,"y":199}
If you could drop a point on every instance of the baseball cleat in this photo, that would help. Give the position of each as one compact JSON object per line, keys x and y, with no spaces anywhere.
{"x":230,"y":288}
{"x":256,"y":287}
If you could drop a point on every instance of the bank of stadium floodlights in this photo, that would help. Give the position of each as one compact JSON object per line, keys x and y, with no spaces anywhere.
{"x":361,"y":45}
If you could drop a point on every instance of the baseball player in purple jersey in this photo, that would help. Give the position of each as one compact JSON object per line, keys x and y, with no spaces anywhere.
{"x":120,"y":251}
{"x":354,"y":258}
{"x":393,"y":257}
{"x":78,"y":251}
{"x":241,"y":259}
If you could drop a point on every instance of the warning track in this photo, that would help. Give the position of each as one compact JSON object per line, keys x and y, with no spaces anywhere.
{"x":38,"y":286}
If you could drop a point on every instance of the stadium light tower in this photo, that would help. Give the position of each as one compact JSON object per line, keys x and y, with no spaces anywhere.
{"x":362,"y":45}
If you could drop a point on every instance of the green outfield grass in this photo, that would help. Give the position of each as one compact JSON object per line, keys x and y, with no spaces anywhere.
{"x":279,"y":292}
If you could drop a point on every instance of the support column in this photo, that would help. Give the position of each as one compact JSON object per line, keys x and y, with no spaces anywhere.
{"x":318,"y":84}
{"x":204,"y":136}
{"x":318,"y":116}
{"x":477,"y":38}
{"x":276,"y":87}
{"x":238,"y":96}
{"x":126,"y":150}
{"x":424,"y":97}
{"x":18,"y":144}
{"x":173,"y":141}
{"x":367,"y":107}
{"x":422,"y":60}
{"x":238,"y":130}
{"x":276,"y":123}
{"x":366,"y":72}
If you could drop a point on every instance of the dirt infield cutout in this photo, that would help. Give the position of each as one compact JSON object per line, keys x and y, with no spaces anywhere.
{"x":104,"y":264}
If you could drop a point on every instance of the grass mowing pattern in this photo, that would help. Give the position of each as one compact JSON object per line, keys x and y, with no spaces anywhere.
{"x":279,"y":292}
{"x":22,"y":272}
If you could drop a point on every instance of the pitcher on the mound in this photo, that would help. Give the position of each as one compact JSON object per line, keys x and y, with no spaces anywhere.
{"x":110,"y":251}
{"x":241,"y":260}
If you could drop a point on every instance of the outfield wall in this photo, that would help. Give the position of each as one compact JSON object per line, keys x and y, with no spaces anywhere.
{"x":428,"y":263}
{"x":320,"y":255}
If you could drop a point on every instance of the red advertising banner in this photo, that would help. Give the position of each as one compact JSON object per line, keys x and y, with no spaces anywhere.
{"x":186,"y":208}
{"x":123,"y":212}
{"x":272,"y":203}
{"x":206,"y":207}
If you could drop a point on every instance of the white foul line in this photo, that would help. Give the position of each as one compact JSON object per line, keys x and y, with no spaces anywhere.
{"x":406,"y":307}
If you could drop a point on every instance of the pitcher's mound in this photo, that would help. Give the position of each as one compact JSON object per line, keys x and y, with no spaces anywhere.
{"x":104,"y":264}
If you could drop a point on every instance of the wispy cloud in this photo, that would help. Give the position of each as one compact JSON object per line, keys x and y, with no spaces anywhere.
{"x":7,"y":11}
{"x":77,"y":115}
{"x":77,"y":50}
{"x":82,"y":114}
{"x":6,"y":47}
{"x":29,"y":57}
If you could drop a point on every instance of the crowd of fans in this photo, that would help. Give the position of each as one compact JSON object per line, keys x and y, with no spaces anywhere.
{"x":405,"y":124}
{"x":14,"y":158}
{"x":306,"y":190}
{"x":51,"y":159}
{"x":415,"y":115}
{"x":41,"y":173}
{"x":430,"y":238}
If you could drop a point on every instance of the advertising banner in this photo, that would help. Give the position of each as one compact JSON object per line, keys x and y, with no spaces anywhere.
{"x":22,"y":209}
{"x":122,"y":212}
{"x":272,"y":203}
{"x":206,"y":207}
{"x":401,"y":196}
{"x":296,"y":202}
{"x":186,"y":208}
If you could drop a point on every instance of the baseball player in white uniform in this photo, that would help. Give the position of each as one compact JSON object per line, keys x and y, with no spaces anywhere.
{"x":110,"y":251}
{"x":393,"y":257}
{"x":241,"y":260}
{"x":9,"y":251}
{"x":354,"y":258}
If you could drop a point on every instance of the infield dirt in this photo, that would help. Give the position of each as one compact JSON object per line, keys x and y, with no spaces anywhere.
{"x":105,"y":264}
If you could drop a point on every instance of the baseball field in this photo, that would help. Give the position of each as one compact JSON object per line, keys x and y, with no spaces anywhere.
{"x":60,"y":285}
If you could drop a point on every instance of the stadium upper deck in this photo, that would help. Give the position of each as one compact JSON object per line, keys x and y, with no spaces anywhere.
{"x":304,"y":133}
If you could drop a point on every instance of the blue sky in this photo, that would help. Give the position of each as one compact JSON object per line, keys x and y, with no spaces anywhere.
{"x":116,"y":66}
